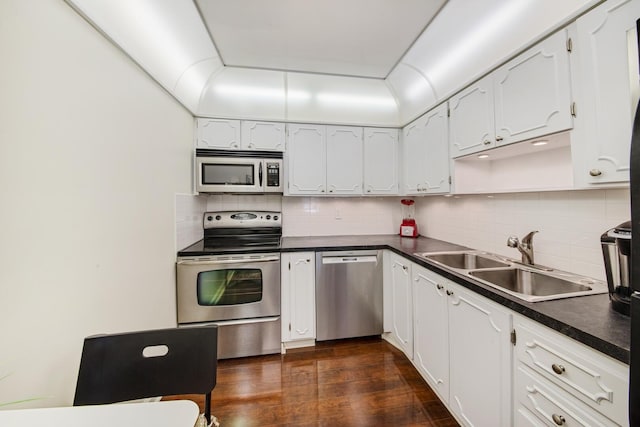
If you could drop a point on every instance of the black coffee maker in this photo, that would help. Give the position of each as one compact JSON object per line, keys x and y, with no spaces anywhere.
{"x":616,"y":249}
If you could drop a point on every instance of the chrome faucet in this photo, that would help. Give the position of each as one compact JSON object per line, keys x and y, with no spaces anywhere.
{"x":525,"y":247}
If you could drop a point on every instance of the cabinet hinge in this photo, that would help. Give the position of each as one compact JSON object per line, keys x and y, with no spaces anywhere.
{"x":569,"y":45}
{"x":513,"y":337}
{"x":573,"y":109}
{"x":289,"y":327}
{"x":448,"y":112}
{"x":289,"y":265}
{"x":449,"y":179}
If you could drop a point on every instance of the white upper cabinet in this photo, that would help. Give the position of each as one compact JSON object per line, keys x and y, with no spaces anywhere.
{"x":532,"y":93}
{"x":344,"y":160}
{"x":218,"y":134}
{"x":606,"y":67}
{"x":528,"y":97}
{"x":380,"y":162}
{"x":335,"y":161}
{"x":472,"y":119}
{"x":222,"y":134}
{"x":306,"y":159}
{"x":264,"y":136}
{"x":426,"y":153}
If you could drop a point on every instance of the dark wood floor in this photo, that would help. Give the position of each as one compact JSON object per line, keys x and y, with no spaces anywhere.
{"x":359,"y":382}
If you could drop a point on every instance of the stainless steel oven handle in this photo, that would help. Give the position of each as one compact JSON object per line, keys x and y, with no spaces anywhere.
{"x":233,"y":322}
{"x":229,"y":261}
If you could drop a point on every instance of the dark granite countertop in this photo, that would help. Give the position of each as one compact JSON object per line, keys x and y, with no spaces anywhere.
{"x":587,"y":319}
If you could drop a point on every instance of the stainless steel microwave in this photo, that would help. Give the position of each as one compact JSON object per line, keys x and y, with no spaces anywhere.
{"x":253,"y":172}
{"x":238,"y":171}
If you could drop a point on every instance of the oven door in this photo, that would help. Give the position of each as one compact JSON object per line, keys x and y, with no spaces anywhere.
{"x":229,"y":175}
{"x":228,"y":287}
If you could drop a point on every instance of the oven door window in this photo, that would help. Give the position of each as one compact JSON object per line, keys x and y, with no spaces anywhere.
{"x":232,"y":286}
{"x":228,"y":174}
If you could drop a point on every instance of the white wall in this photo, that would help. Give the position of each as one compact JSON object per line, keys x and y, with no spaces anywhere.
{"x":92,"y":152}
{"x":569,"y":223}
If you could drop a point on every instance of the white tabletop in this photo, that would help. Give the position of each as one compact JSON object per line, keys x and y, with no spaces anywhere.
{"x":174,"y":413}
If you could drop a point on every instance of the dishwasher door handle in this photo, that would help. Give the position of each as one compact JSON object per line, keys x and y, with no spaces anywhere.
{"x":349,"y":260}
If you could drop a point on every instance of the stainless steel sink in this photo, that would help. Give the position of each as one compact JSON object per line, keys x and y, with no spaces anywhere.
{"x":530,"y":283}
{"x":534,"y":285}
{"x":465,"y":260}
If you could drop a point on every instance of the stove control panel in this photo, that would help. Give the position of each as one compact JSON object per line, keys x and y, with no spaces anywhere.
{"x":242,"y":219}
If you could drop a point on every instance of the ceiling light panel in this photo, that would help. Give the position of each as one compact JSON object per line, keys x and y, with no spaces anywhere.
{"x":356,"y":38}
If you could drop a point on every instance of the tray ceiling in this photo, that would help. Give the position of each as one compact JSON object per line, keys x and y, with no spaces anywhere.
{"x":364,"y":38}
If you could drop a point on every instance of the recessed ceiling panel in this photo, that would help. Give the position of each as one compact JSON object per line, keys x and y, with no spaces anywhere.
{"x":347,"y":37}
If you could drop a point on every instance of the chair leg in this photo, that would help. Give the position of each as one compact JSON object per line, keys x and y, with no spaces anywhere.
{"x":207,"y":408}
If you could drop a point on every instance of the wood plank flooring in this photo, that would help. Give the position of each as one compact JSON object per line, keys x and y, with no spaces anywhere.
{"x":356,"y":382}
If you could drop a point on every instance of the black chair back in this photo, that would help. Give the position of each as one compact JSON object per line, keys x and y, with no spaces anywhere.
{"x":136,"y":365}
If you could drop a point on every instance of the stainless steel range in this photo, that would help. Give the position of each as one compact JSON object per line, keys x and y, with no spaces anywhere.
{"x":231,"y":278}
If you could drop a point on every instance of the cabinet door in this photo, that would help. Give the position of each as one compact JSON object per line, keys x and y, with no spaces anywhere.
{"x":480,"y":359}
{"x":402,"y":324}
{"x":415,"y":156}
{"x":472,"y":119}
{"x":344,"y":160}
{"x":436,"y":137}
{"x":607,"y":51}
{"x":306,"y":149}
{"x":380,"y":161}
{"x":431,"y":331}
{"x":218,"y":134}
{"x":298,"y":296}
{"x":533,"y":92}
{"x":263,"y":136}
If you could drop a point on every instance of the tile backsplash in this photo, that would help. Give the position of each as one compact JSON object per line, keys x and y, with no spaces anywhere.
{"x":569,"y":223}
{"x":189,"y":211}
{"x":330,"y":216}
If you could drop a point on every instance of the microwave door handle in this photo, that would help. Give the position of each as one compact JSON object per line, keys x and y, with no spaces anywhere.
{"x":260,"y":175}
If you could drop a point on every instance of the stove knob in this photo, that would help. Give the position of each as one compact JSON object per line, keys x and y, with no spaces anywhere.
{"x":275,"y":217}
{"x":218,"y":217}
{"x":268,"y":216}
{"x":209,"y":218}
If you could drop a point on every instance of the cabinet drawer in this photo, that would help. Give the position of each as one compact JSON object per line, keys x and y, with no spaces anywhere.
{"x":550,"y":404}
{"x":595,"y":379}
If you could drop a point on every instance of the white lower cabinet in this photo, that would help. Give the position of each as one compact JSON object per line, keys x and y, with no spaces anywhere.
{"x":399,"y":308}
{"x":559,"y":381}
{"x":298,"y":309}
{"x":462,"y":347}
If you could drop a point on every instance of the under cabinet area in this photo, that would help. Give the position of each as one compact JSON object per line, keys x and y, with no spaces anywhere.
{"x":558,"y":381}
{"x":298,"y":306}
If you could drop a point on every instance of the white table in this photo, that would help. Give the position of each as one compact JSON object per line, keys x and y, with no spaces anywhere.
{"x":174,"y":413}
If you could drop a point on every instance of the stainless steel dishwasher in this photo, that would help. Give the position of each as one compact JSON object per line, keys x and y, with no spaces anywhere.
{"x":348,"y":294}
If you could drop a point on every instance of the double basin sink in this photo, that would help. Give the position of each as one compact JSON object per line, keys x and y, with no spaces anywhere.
{"x":530,"y":283}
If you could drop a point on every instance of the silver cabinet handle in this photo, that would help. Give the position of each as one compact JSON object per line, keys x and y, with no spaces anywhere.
{"x":558,"y":369}
{"x":487,"y":142}
{"x":558,"y":419}
{"x":595,"y":172}
{"x":439,"y":287}
{"x":499,"y":138}
{"x":449,"y":292}
{"x":405,"y":268}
